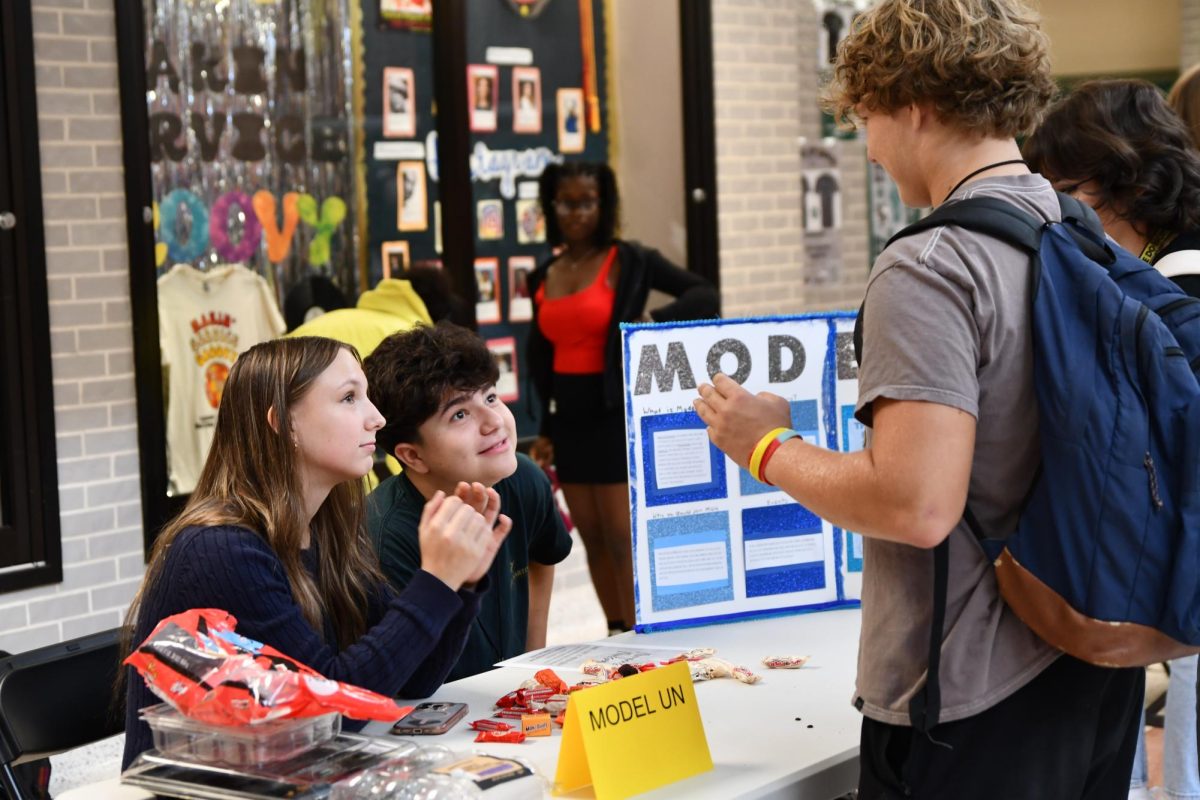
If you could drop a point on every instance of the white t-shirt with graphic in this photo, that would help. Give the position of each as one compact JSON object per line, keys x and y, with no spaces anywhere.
{"x":205,"y":320}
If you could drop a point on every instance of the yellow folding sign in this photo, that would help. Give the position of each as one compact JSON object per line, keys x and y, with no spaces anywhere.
{"x":633,"y":734}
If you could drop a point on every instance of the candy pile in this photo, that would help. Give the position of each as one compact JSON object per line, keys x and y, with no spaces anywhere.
{"x":530,"y":706}
{"x":701,"y":663}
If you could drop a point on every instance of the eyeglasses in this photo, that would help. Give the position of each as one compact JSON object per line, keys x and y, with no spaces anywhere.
{"x":567,"y":206}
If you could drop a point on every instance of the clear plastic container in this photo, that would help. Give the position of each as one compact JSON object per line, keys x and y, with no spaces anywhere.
{"x":244,"y":746}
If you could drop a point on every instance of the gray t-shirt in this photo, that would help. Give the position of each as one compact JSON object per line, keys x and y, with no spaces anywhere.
{"x":947,"y":320}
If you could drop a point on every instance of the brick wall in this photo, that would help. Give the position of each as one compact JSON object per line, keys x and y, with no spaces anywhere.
{"x":766,"y":88}
{"x":91,"y":340}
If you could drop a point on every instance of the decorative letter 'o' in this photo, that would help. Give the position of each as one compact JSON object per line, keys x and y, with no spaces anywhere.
{"x":218,"y":228}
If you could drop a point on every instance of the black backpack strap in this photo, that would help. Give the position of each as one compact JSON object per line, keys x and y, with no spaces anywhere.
{"x":1004,"y":221}
{"x":986,"y":215}
{"x":926,"y":705}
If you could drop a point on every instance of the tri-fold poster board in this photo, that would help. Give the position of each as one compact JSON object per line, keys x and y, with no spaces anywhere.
{"x":711,"y":543}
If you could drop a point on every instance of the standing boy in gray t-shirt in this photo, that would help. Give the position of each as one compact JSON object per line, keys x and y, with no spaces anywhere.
{"x":943,"y":87}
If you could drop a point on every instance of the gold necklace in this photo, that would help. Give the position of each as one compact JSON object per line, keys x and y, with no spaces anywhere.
{"x":575,"y":261}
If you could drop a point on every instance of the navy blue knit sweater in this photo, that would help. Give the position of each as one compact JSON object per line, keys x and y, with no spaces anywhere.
{"x":413,"y":641}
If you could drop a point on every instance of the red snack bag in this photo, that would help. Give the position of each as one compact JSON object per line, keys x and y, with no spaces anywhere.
{"x":509,"y":700}
{"x":490,"y":725}
{"x":197,"y":662}
{"x":548,"y":677}
{"x":511,"y":737}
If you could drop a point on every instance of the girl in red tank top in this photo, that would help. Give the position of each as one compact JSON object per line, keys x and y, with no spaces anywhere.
{"x":577,"y":324}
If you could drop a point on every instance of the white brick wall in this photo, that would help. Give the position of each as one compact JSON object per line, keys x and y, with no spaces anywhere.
{"x":766,"y":88}
{"x":91,"y":339}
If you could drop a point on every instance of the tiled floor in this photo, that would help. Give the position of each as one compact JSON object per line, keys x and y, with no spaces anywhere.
{"x":575,"y":613}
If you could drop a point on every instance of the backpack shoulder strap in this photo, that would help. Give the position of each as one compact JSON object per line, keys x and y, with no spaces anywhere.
{"x":986,"y":215}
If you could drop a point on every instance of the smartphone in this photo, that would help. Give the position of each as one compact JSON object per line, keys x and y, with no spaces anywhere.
{"x":432,"y":717}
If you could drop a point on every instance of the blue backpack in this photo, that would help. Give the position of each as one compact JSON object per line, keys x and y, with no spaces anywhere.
{"x":1105,"y":561}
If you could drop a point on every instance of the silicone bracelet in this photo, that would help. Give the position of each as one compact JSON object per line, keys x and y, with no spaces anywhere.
{"x":761,"y":475}
{"x":757,"y":453}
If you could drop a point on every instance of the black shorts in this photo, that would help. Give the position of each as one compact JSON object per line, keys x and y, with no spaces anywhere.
{"x":589,"y":439}
{"x":1070,"y":734}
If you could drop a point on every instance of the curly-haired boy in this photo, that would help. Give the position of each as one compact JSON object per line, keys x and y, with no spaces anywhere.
{"x":436,"y":387}
{"x":943,"y":87}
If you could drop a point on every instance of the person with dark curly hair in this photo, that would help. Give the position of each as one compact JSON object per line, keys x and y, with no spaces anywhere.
{"x":1119,"y":146}
{"x":945,"y":386}
{"x":445,"y":424}
{"x":581,"y":295}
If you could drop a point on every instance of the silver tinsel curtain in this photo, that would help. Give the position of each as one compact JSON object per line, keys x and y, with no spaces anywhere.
{"x":252,"y":132}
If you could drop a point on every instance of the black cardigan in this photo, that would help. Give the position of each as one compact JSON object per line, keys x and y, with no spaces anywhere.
{"x":642,"y":269}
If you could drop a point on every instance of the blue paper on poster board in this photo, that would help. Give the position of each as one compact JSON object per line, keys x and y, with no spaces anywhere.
{"x":710,"y":542}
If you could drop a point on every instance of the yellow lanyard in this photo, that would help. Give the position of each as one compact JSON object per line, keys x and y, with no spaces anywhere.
{"x":1155,"y":245}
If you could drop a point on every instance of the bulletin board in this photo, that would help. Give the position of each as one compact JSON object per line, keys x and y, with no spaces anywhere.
{"x":711,"y":543}
{"x":536,"y":77}
{"x":564,"y":44}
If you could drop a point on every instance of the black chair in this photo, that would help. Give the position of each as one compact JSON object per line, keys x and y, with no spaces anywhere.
{"x":56,"y":698}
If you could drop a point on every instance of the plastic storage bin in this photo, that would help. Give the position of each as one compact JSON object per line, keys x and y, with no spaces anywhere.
{"x":251,"y":745}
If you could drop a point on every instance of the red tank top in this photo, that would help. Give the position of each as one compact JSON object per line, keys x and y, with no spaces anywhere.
{"x":577,"y":324}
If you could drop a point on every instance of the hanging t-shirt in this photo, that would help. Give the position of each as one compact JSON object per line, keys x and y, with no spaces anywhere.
{"x":205,"y":320}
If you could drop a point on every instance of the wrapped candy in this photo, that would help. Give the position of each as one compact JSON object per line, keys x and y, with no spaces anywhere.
{"x":510,"y":737}
{"x":785,"y":662}
{"x":548,"y":677}
{"x":490,"y":725}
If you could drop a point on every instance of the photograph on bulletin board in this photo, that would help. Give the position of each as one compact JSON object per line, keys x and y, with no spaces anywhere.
{"x":504,"y":352}
{"x":490,"y":219}
{"x":531,"y":225}
{"x":520,"y":305}
{"x":411,"y":198}
{"x":394,"y":257}
{"x":487,"y":298}
{"x":483,"y":82}
{"x":399,"y":103}
{"x":572,"y":134}
{"x":413,"y":15}
{"x":527,"y":100}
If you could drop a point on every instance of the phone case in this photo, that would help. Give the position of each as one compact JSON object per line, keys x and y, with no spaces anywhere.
{"x":430,"y":718}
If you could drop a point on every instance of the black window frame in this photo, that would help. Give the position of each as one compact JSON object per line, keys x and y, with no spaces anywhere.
{"x":30,"y":533}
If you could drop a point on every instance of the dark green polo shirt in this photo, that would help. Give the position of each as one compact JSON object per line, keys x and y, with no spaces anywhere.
{"x":393,"y":513}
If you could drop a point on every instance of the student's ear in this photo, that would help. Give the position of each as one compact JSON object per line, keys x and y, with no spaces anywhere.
{"x":273,"y":419}
{"x":409,"y":455}
{"x":917,"y":114}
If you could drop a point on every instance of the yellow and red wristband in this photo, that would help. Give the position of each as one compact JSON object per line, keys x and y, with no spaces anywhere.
{"x":766,"y":448}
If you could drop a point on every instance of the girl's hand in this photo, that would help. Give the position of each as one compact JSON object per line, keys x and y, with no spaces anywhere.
{"x":454,"y":538}
{"x":492,"y":546}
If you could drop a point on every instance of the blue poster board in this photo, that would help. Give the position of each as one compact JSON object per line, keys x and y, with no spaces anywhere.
{"x":711,"y":543}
